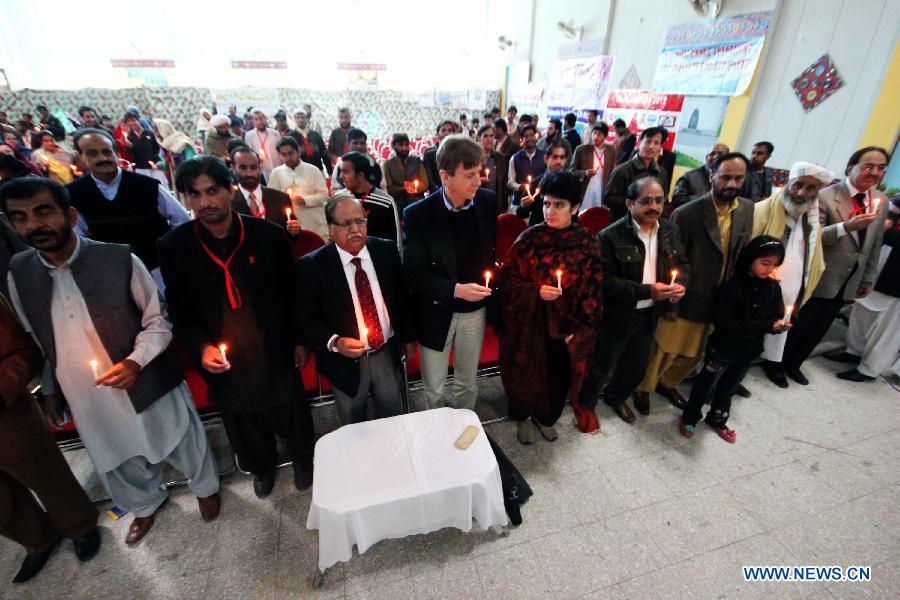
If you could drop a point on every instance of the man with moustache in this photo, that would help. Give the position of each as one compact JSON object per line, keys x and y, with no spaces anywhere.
{"x":714,"y":228}
{"x":217,"y":137}
{"x":792,"y":216}
{"x":263,"y":140}
{"x":493,"y":176}
{"x":101,"y":322}
{"x":695,"y":182}
{"x":256,"y":200}
{"x":402,"y":171}
{"x":526,"y":165}
{"x":230,"y":281}
{"x":304,"y":184}
{"x":338,"y":144}
{"x":531,"y":207}
{"x":312,"y":146}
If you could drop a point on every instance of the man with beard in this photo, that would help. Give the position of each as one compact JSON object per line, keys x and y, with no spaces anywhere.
{"x":531,"y":207}
{"x":118,"y":206}
{"x":553,"y":133}
{"x":695,"y":182}
{"x":493,"y":176}
{"x":429,"y":157}
{"x":263,"y":140}
{"x":852,"y":215}
{"x":338,"y":144}
{"x":526,"y":165}
{"x":312,"y":146}
{"x":89,"y":117}
{"x":361,"y":179}
{"x":217,"y":137}
{"x":714,"y":228}
{"x":402,"y":171}
{"x":256,"y":200}
{"x":593,"y":159}
{"x":758,"y":184}
{"x":230,"y":287}
{"x":792,"y":216}
{"x":100,"y":320}
{"x":304,"y":184}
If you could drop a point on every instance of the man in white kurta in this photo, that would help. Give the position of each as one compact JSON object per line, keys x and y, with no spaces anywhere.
{"x":263,"y":140}
{"x":791,"y":215}
{"x":304,"y":183}
{"x":127,"y":447}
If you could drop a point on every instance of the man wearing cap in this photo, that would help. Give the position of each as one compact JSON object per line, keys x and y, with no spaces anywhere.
{"x":792,"y":216}
{"x":218,"y":136}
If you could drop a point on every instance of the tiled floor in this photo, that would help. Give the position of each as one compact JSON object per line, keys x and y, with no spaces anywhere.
{"x":634,"y":512}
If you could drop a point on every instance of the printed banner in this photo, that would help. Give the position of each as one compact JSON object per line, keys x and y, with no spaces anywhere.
{"x":258,"y":64}
{"x":260,"y":98}
{"x":698,"y":128}
{"x":641,"y":109}
{"x":577,"y":85}
{"x":711,"y":58}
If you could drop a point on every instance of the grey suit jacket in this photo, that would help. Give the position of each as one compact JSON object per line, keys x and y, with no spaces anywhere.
{"x":699,"y":228}
{"x":845,"y":261}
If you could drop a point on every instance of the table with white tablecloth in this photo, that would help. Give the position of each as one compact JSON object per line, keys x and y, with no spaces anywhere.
{"x":400,"y":476}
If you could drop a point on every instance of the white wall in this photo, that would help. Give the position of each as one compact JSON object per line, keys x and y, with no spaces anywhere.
{"x":859,"y":35}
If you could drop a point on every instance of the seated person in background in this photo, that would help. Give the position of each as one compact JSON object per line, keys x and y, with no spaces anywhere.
{"x":56,"y":160}
{"x":552,"y":297}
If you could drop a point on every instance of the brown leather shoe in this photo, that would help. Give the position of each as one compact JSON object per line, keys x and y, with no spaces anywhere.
{"x":672,"y":395}
{"x":141,"y":525}
{"x":624,"y":412}
{"x":642,"y":402}
{"x":210,"y":506}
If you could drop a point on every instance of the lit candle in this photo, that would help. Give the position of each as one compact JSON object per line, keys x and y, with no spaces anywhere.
{"x":559,"y":279}
{"x":234,"y":188}
{"x":288,"y":212}
{"x":152,"y":164}
{"x":537,"y":191}
{"x":416,"y":185}
{"x":875,"y":203}
{"x":290,"y":191}
{"x":95,"y":369}
{"x":787,"y":313}
{"x":527,"y":189}
{"x":222,"y":349}
{"x":487,"y":173}
{"x":365,"y":336}
{"x":262,"y":153}
{"x":487,"y":279}
{"x":674,"y":275}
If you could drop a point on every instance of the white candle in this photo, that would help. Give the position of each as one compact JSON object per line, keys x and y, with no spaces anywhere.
{"x":365,"y":336}
{"x":787,"y":313}
{"x":222,"y":349}
{"x":487,"y":279}
{"x":527,"y":189}
{"x":875,"y":203}
{"x":416,"y":185}
{"x":559,"y":279}
{"x":674,"y":276}
{"x":288,"y":212}
{"x":95,"y":369}
{"x":487,"y":173}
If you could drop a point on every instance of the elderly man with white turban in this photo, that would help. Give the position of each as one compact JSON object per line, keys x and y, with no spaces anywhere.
{"x":217,"y":137}
{"x":791,"y":214}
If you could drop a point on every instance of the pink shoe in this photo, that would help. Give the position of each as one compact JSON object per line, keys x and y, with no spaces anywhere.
{"x":727,"y":434}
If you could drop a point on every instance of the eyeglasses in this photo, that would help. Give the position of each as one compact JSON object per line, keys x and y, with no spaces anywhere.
{"x":647,"y":200}
{"x":351,"y":223}
{"x":877,"y":168}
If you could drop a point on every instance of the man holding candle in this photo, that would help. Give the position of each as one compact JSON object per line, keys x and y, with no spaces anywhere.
{"x":230,"y":280}
{"x":791,"y":215}
{"x":714,"y":228}
{"x":89,"y":301}
{"x":256,"y":200}
{"x":493,"y":176}
{"x":526,"y":165}
{"x":594,"y":162}
{"x":304,"y":184}
{"x":402,"y":171}
{"x":852,"y":229}
{"x":531,"y":207}
{"x":643,"y":164}
{"x":449,"y":243}
{"x":361,"y":178}
{"x":262,"y":139}
{"x":353,"y":307}
{"x":644,"y":273}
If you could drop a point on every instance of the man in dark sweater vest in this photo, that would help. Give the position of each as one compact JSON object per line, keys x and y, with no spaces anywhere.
{"x":526,"y":165}
{"x":449,"y":244}
{"x":118,"y":206}
{"x":100,"y":321}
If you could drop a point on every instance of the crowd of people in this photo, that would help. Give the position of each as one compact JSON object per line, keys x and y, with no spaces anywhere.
{"x":104,"y":267}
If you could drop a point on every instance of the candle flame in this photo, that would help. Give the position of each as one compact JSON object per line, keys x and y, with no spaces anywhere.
{"x":287,"y":211}
{"x":223,"y":348}
{"x":94,"y":364}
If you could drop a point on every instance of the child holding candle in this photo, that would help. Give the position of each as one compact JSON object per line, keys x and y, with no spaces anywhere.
{"x":748,"y":306}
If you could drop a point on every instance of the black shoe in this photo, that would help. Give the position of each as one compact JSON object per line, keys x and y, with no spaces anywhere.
{"x":303,"y":477}
{"x":33,"y":564}
{"x":843,"y":357}
{"x":263,"y":484}
{"x":775,"y":372}
{"x":741,"y":391}
{"x":87,"y":546}
{"x":854,"y":375}
{"x":795,"y":374}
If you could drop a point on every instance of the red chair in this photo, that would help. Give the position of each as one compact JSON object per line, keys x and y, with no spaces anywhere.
{"x":508,"y":229}
{"x":595,"y":219}
{"x":305,"y":242}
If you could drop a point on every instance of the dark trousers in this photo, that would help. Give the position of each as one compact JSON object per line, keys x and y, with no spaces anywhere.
{"x":558,"y":377}
{"x":381,"y":379}
{"x":621,"y":362}
{"x":253,"y":436}
{"x":719,"y":377}
{"x":810,"y":326}
{"x":67,"y":511}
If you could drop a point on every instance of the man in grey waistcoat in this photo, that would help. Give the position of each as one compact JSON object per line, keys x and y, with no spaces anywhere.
{"x":97,"y":315}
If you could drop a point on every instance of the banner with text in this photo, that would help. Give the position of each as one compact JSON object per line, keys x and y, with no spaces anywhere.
{"x":577,"y":85}
{"x":641,"y":109}
{"x":260,"y":98}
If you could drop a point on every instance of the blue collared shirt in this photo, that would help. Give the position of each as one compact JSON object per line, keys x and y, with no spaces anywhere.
{"x":466,"y":205}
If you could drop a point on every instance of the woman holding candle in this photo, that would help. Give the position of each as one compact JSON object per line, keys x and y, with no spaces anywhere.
{"x":551,"y":290}
{"x":748,"y":306}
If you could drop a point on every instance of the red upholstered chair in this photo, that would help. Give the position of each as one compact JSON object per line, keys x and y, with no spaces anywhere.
{"x":305,"y":242}
{"x":595,"y":219}
{"x":508,"y":229}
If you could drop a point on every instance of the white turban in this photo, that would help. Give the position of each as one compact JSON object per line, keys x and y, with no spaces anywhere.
{"x":219,"y":120}
{"x":803,"y":168}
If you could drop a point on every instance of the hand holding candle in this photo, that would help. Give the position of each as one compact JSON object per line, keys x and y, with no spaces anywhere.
{"x":95,"y":369}
{"x":416,"y":186}
{"x":364,"y":336}
{"x":788,"y":310}
{"x":674,"y":276}
{"x":487,"y":279}
{"x":559,"y":279}
{"x":222,"y":349}
{"x":288,"y":213}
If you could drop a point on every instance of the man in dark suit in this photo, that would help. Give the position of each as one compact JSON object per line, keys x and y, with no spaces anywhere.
{"x":230,"y":286}
{"x":695,"y":182}
{"x":450,"y":243}
{"x":506,"y":145}
{"x":251,"y":198}
{"x":353,"y":307}
{"x":639,"y":253}
{"x":714,"y":228}
{"x":32,"y":465}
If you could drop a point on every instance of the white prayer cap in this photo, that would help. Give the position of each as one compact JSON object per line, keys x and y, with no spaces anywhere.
{"x":219,"y":120}
{"x":803,"y":168}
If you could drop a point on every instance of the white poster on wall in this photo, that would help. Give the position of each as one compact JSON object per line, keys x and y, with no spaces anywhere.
{"x":260,"y":98}
{"x":578,"y":85}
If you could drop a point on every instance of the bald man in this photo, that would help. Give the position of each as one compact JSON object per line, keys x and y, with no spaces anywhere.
{"x":695,"y":183}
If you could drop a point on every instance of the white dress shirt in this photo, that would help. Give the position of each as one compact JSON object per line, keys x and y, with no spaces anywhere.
{"x":651,"y":251}
{"x":257,"y":199}
{"x":350,"y":273}
{"x":307,"y":181}
{"x":841,"y":228}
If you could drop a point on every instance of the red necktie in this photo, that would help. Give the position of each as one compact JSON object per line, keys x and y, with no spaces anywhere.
{"x":367,"y":305}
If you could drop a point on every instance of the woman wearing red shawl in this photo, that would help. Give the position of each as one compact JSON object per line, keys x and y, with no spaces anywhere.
{"x":550,"y":285}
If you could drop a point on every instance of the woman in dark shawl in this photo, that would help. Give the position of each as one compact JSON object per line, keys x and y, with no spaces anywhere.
{"x":550,"y":286}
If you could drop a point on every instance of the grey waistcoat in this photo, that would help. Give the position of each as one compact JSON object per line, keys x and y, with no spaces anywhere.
{"x":103,"y":275}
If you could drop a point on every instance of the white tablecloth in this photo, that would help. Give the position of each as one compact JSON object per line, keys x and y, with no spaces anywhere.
{"x":400,"y":476}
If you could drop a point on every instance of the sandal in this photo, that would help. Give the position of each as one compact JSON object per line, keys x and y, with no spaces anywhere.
{"x":726,"y":434}
{"x":685,"y":430}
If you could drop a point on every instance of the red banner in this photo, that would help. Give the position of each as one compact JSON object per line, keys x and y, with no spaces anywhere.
{"x":645,"y":100}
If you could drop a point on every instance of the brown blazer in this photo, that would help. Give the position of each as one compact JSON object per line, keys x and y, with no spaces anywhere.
{"x":583,"y":161}
{"x":22,"y":427}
